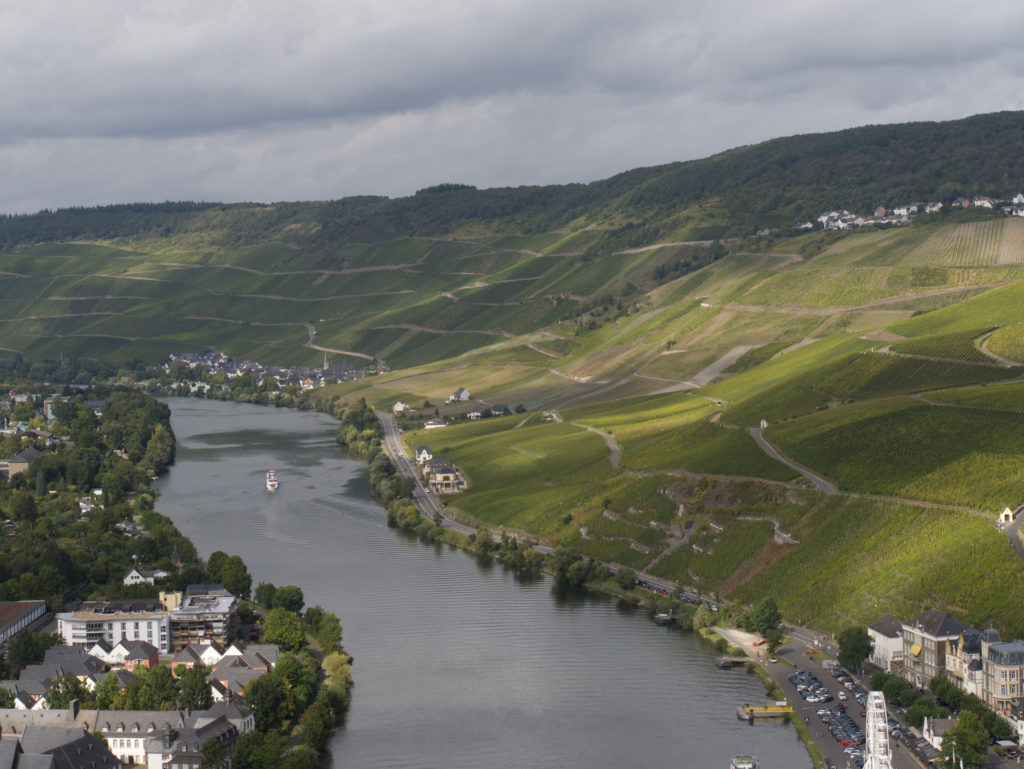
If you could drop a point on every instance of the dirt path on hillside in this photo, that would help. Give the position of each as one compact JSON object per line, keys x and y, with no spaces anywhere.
{"x":822,"y":485}
{"x":424,"y":329}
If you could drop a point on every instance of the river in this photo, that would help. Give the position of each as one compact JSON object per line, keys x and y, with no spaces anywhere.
{"x":459,"y":663}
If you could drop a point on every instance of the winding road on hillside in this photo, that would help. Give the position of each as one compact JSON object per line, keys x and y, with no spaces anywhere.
{"x":820,"y":483}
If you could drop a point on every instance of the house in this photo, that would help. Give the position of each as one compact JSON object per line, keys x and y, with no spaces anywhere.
{"x":462,"y":394}
{"x":475,"y":414}
{"x":19,"y":463}
{"x":1018,"y":199}
{"x":135,"y":654}
{"x":964,"y":663}
{"x":55,"y":747}
{"x":256,"y":656}
{"x":436,"y":422}
{"x":961,"y":203}
{"x":423,"y":454}
{"x":983,"y":202}
{"x":933,"y":208}
{"x":880,"y":212}
{"x":886,"y":635}
{"x":196,"y":655}
{"x":400,"y":407}
{"x":803,"y":226}
{"x":499,"y":410}
{"x":924,"y":646}
{"x":933,"y":730}
{"x":138,"y":576}
{"x":15,"y":616}
{"x":443,"y":476}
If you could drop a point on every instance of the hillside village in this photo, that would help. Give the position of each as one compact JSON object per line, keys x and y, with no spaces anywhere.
{"x":213,"y":364}
{"x":903,"y":215}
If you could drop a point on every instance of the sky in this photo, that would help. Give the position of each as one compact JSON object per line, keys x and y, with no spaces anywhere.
{"x":113,"y":101}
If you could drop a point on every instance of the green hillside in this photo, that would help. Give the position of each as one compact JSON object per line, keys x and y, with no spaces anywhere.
{"x":648,"y":333}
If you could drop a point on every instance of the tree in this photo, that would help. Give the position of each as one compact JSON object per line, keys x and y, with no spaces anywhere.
{"x":283,"y":628}
{"x":29,"y":648}
{"x":264,"y":594}
{"x":317,"y":722}
{"x":302,"y":675}
{"x":154,"y":690}
{"x":215,"y":754}
{"x":968,"y":739}
{"x":193,"y":690}
{"x":855,"y":646}
{"x":6,"y":699}
{"x":215,"y":563}
{"x":63,"y":691}
{"x":271,"y":700}
{"x":289,"y":597}
{"x":235,"y":577}
{"x":766,"y":617}
{"x":703,"y":617}
{"x":624,"y":578}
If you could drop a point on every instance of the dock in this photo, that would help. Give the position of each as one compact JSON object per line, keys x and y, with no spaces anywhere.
{"x":777,"y":710}
{"x":725,"y":663}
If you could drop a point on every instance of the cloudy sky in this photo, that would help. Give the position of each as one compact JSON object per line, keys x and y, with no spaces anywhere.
{"x":231,"y":100}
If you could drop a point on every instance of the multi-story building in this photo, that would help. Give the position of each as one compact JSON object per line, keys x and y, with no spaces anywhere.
{"x":886,"y":634}
{"x":1004,"y":675}
{"x":115,"y":621}
{"x":925,"y":642}
{"x":204,"y":618}
{"x":964,"y":662}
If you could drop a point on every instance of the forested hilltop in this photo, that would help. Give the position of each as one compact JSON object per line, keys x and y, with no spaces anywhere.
{"x":738,"y":191}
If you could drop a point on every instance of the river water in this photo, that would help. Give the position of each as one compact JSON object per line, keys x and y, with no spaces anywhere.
{"x":459,"y":663}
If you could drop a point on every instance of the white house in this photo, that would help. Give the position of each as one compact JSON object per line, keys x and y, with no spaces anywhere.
{"x":137,"y":576}
{"x":934,"y":729}
{"x":436,"y":422}
{"x":462,"y":394}
{"x":423,"y":454}
{"x":886,"y":634}
{"x":400,"y":407}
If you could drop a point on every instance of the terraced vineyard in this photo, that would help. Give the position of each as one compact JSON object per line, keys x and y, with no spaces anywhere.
{"x":959,"y":346}
{"x":975,"y":244}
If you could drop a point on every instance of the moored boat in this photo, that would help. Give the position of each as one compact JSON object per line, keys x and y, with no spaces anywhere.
{"x":271,"y":481}
{"x":744,"y":762}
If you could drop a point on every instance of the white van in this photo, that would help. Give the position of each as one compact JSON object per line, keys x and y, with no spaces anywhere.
{"x":842,"y":695}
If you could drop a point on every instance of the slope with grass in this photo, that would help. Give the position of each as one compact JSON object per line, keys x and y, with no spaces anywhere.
{"x":885,"y":360}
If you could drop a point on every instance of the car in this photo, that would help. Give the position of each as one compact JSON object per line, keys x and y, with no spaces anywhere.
{"x":773,"y":659}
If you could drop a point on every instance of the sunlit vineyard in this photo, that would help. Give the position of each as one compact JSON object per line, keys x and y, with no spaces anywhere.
{"x":960,"y":345}
{"x":963,"y":245}
{"x":874,"y":375}
{"x":1011,"y":248}
{"x":962,"y":456}
{"x":1008,"y":342}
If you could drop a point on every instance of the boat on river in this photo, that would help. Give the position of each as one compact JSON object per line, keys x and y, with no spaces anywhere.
{"x":271,"y":481}
{"x":744,"y":762}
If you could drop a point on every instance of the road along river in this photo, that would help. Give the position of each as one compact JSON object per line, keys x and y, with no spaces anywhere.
{"x":459,"y":663}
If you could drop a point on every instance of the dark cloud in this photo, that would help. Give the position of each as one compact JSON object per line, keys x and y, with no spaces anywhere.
{"x":249,"y":100}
